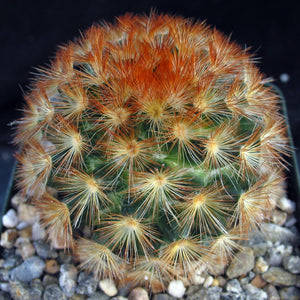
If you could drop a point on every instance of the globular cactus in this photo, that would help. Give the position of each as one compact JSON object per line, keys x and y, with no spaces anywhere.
{"x":159,"y":135}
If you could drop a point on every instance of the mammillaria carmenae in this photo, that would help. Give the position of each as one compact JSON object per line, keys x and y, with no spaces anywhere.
{"x":162,"y":137}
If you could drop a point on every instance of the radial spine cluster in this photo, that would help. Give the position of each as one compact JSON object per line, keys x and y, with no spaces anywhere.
{"x":162,"y":137}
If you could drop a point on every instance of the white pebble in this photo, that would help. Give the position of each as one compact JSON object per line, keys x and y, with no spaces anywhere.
{"x":176,"y":288}
{"x":284,"y":77}
{"x":208,"y":282}
{"x":38,"y":232}
{"x":108,"y":287}
{"x":286,"y":205}
{"x":10,"y":219}
{"x":22,"y":225}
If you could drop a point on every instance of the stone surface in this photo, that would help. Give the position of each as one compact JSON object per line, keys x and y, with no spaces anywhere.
{"x":234,"y":286}
{"x":108,"y":287}
{"x":286,"y":205}
{"x":261,"y":265}
{"x":162,"y":297}
{"x":87,"y":284}
{"x":208,"y":281}
{"x":27,"y":213}
{"x":138,"y":294}
{"x":279,"y":217}
{"x":271,"y":292}
{"x":254,"y":293}
{"x":44,"y":250}
{"x":38,"y":232}
{"x":292,"y":264}
{"x":8,"y":238}
{"x":212,"y":293}
{"x":67,"y":279}
{"x":18,"y":291}
{"x":276,"y":254}
{"x":31,"y":268}
{"x":276,"y":233}
{"x":176,"y":288}
{"x":10,"y":219}
{"x":258,"y":282}
{"x":290,"y":293}
{"x":52,"y":266}
{"x":98,"y":296}
{"x":242,"y":263}
{"x":53,"y":292}
{"x":280,"y":277}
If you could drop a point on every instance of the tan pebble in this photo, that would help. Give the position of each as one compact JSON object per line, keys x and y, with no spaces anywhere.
{"x":26,"y":249}
{"x":279,"y":217}
{"x":138,"y":294}
{"x":258,"y":282}
{"x":26,"y":232}
{"x":108,"y":287}
{"x":261,"y":266}
{"x":52,"y":266}
{"x":8,"y":238}
{"x":16,"y":200}
{"x":215,"y":282}
{"x":27,"y":213}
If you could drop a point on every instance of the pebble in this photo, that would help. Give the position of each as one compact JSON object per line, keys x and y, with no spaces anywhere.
{"x":27,"y":213}
{"x":98,"y":296}
{"x":176,"y":288}
{"x":38,"y":232}
{"x":208,"y":282}
{"x":53,"y":292}
{"x":138,"y":294}
{"x":234,"y":286}
{"x":254,"y":293}
{"x":8,"y":238}
{"x":292,"y":264}
{"x":44,"y":250}
{"x":241,"y":264}
{"x":212,"y":293}
{"x":232,"y":296}
{"x":52,"y":266}
{"x":271,"y":292}
{"x":290,"y":293}
{"x":26,"y":249}
{"x":67,"y":279}
{"x":18,"y":291}
{"x":108,"y":287}
{"x":87,"y":284}
{"x":286,"y":205}
{"x":10,"y":219}
{"x":280,"y":277}
{"x":291,"y":221}
{"x":279,"y":217}
{"x":49,"y":280}
{"x":162,"y":297}
{"x":276,"y":254}
{"x":260,"y":266}
{"x":16,"y":200}
{"x":276,"y":233}
{"x":31,"y":268}
{"x":258,"y":282}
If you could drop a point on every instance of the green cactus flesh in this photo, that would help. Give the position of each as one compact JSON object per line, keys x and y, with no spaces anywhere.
{"x":159,"y":135}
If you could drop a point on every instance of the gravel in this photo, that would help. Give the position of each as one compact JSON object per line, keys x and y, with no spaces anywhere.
{"x":268,"y":267}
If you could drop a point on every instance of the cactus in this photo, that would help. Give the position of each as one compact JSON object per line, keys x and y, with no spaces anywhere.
{"x":162,"y":137}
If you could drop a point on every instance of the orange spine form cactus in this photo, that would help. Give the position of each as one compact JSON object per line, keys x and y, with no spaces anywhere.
{"x":162,"y":137}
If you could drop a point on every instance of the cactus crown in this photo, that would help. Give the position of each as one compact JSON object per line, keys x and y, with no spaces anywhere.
{"x":161,"y":136}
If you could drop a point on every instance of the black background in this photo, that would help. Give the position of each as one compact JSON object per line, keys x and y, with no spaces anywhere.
{"x":31,"y":30}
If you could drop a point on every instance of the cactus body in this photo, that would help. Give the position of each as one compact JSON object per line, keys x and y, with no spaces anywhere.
{"x":162,"y":137}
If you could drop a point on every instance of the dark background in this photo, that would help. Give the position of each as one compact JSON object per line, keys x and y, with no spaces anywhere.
{"x":31,"y":30}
